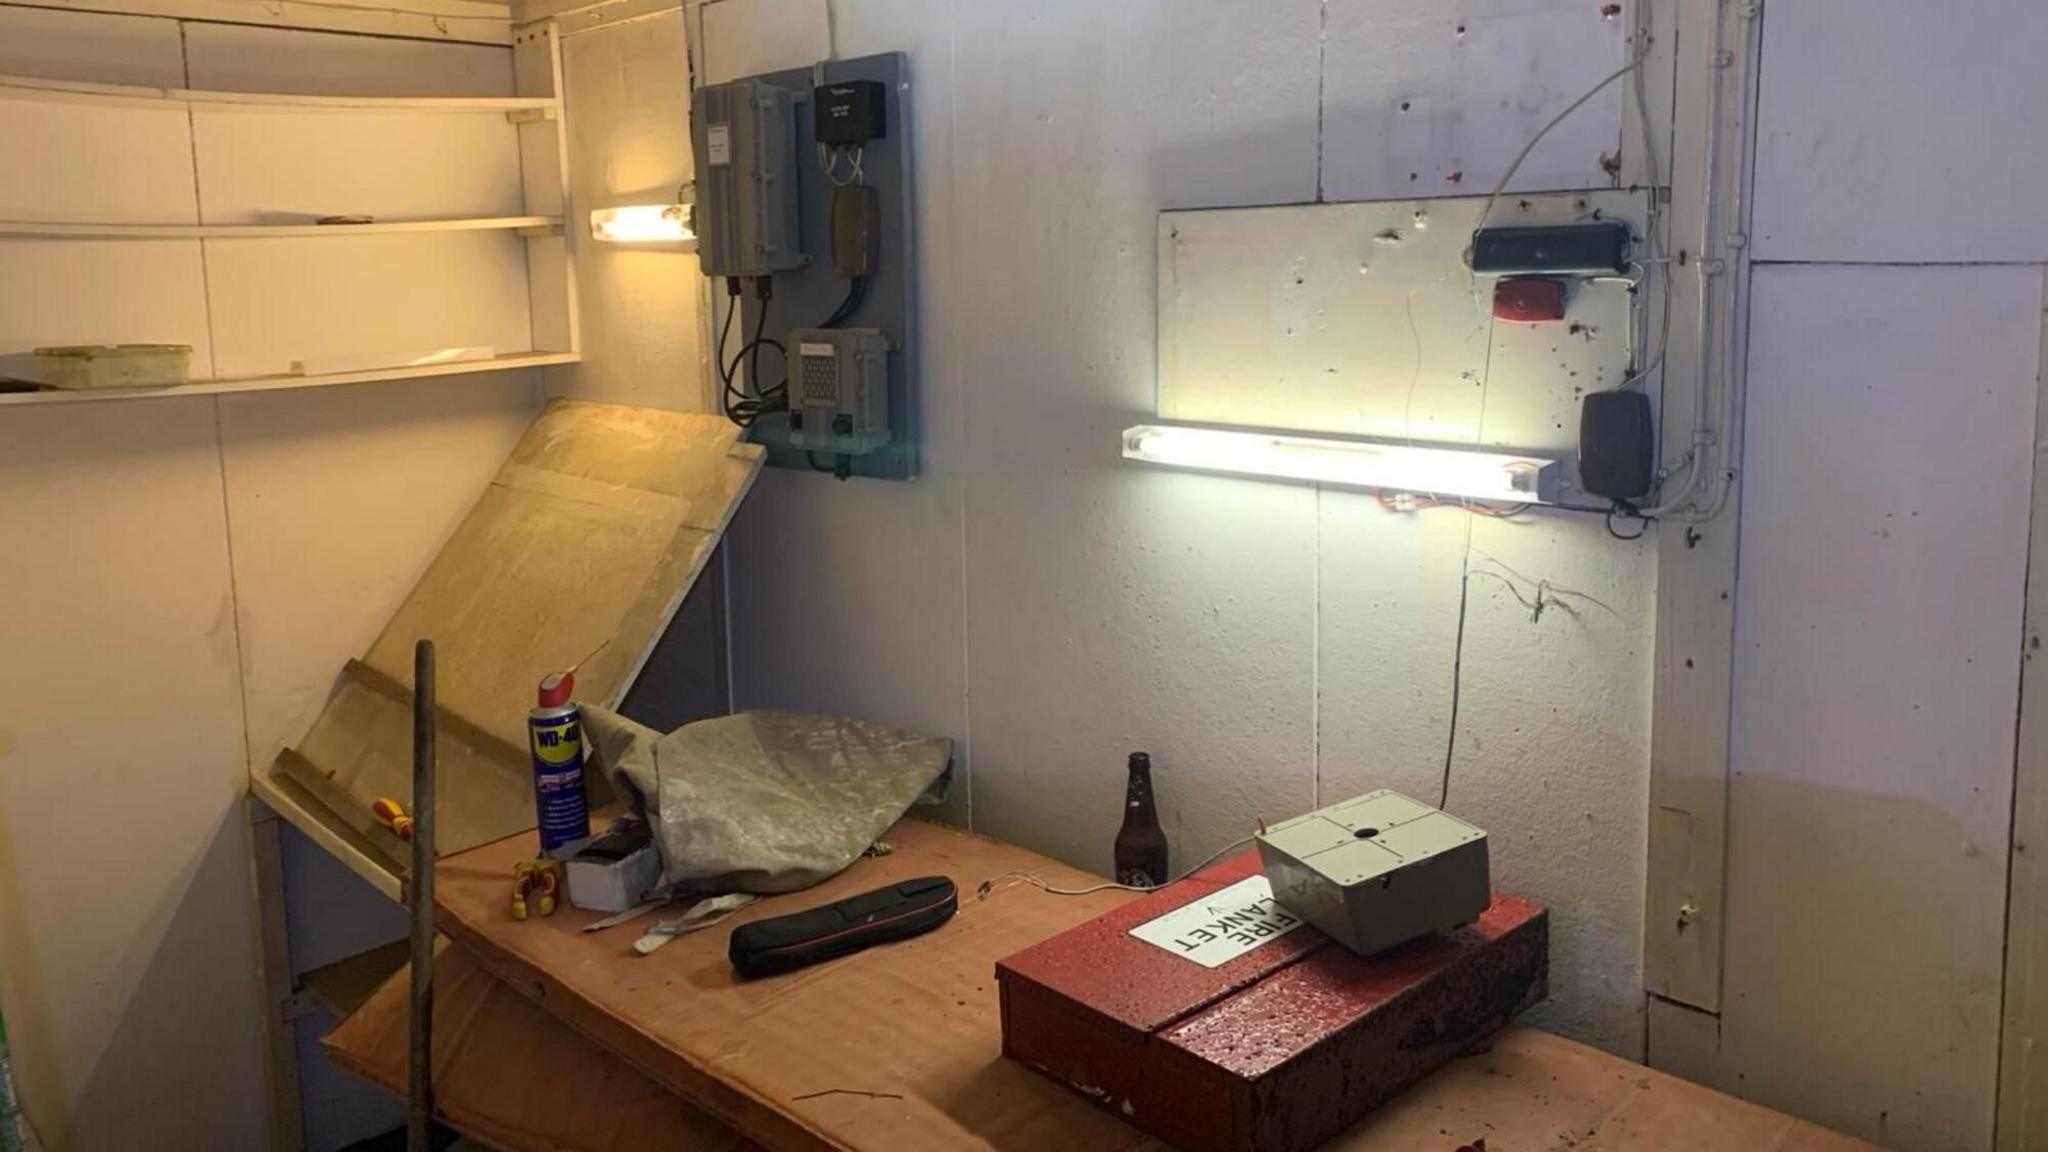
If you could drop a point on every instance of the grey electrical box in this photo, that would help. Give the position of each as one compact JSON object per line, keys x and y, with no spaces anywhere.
{"x":839,"y":390}
{"x":743,"y":135}
{"x":1378,"y":870}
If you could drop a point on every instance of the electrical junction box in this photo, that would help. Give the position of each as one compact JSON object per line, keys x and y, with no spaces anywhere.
{"x":857,"y":224}
{"x":1378,"y":870}
{"x":747,"y":216}
{"x":839,"y":390}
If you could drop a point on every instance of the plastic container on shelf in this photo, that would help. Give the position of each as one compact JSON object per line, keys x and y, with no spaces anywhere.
{"x":114,"y":365}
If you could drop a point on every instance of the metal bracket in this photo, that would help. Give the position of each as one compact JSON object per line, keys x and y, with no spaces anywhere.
{"x":297,"y":1006}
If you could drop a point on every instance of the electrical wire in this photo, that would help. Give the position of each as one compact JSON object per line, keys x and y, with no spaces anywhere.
{"x":742,"y":408}
{"x":1423,"y":501}
{"x":1642,"y":53}
{"x":856,"y":295}
{"x":1624,"y":509}
{"x":1035,"y":882}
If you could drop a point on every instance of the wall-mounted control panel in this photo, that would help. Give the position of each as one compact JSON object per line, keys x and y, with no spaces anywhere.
{"x":803,"y":214}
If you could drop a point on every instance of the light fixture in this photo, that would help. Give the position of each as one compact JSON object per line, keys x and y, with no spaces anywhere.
{"x":642,"y":224}
{"x":1349,"y":463}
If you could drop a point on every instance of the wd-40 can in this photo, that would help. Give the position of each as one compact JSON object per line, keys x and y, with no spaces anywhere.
{"x":556,"y":727}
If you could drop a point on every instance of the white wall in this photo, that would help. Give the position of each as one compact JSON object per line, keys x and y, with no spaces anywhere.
{"x":627,"y":97}
{"x":189,"y":576}
{"x":1889,"y":467}
{"x":1271,"y":646}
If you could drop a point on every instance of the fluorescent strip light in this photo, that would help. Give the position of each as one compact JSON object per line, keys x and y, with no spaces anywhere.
{"x":642,"y":223}
{"x":1371,"y":464}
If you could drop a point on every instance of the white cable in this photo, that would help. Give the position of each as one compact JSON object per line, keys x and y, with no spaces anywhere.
{"x":1703,"y":436}
{"x":1035,"y":882}
{"x":1515,"y":165}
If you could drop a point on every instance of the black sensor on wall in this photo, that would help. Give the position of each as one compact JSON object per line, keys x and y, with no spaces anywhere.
{"x":1600,"y":248}
{"x":1617,"y":452}
{"x":851,"y":113}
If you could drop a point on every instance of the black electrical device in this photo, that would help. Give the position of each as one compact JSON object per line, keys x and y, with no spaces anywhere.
{"x":1617,"y":454}
{"x":1588,"y":249}
{"x":852,"y":113}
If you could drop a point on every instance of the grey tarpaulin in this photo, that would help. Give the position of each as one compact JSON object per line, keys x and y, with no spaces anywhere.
{"x":764,"y":801}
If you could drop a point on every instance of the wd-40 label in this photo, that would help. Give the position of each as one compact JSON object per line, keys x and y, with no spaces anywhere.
{"x":562,"y":813}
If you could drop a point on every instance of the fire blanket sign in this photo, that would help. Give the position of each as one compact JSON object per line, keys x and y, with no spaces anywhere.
{"x":1221,"y":926}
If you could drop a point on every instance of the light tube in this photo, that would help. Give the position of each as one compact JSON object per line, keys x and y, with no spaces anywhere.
{"x":642,"y":223}
{"x":1373,"y":464}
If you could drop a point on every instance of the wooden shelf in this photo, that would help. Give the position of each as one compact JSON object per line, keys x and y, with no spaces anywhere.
{"x":280,"y":383}
{"x":48,"y":230}
{"x":73,"y":91}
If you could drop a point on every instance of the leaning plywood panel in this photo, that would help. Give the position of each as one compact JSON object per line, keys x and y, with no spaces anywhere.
{"x":510,"y":1074}
{"x":581,"y":549}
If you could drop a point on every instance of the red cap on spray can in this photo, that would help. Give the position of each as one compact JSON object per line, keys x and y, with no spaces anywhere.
{"x":556,"y":688}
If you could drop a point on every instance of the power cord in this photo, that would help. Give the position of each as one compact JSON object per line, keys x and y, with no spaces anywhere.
{"x":1625,"y":510}
{"x":741,"y":408}
{"x":1027,"y":878}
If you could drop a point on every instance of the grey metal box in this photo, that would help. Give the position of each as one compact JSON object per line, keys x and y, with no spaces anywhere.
{"x":839,"y":389}
{"x":743,"y":136}
{"x":1378,"y":870}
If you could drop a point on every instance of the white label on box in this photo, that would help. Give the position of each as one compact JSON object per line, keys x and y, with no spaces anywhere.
{"x":1223,"y":925}
{"x":718,"y":142}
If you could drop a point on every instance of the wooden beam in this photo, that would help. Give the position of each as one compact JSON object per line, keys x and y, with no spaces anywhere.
{"x":2023,"y":1066}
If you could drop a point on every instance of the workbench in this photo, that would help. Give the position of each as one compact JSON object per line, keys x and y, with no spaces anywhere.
{"x":549,"y":1037}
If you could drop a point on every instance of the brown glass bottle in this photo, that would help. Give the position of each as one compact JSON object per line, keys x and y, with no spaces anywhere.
{"x":1140,"y":843}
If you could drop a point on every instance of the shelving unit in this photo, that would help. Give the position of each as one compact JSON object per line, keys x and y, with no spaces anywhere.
{"x":28,"y":230}
{"x":286,"y":380}
{"x":74,"y":91}
{"x":461,"y":211}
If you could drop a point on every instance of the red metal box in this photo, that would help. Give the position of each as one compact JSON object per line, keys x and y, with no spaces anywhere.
{"x":1287,"y":1040}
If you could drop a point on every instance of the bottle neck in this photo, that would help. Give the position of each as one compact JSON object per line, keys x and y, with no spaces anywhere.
{"x":1138,"y":790}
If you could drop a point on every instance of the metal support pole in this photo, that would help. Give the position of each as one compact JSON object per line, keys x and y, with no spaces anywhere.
{"x":419,"y":1115}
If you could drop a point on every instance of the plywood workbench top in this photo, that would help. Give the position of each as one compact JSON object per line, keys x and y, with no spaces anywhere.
{"x":898,"y":1048}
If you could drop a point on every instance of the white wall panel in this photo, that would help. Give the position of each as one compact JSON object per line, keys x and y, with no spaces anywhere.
{"x":1553,"y":749}
{"x":93,"y":46}
{"x":850,"y":596}
{"x":1112,"y":608}
{"x":1879,"y":118}
{"x":101,"y":292}
{"x":748,"y":37}
{"x":1427,"y":98}
{"x":1889,"y":434}
{"x":276,"y":301}
{"x":267,"y":167}
{"x":1387,"y":645}
{"x":241,"y":58}
{"x":628,"y":98}
{"x":125,"y":941}
{"x":78,"y":162}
